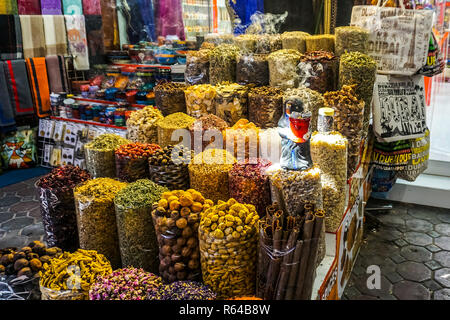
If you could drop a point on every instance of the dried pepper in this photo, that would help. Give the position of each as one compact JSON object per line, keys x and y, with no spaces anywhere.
{"x":176,"y":217}
{"x":141,"y":125}
{"x":169,"y":97}
{"x":200,"y":100}
{"x":97,"y":227}
{"x":222,"y":63}
{"x":265,"y":106}
{"x":228,"y":239}
{"x":230,"y":102}
{"x":70,"y":275}
{"x":99,"y":155}
{"x":283,"y":68}
{"x":168,"y":126}
{"x":137,"y":238}
{"x":131,"y":160}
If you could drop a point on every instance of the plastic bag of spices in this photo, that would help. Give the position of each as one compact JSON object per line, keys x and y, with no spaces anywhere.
{"x":176,"y":217}
{"x":99,"y":155}
{"x":170,"y":125}
{"x":169,"y":97}
{"x":208,"y":173}
{"x":217,"y":38}
{"x":283,"y":68}
{"x":96,"y":219}
{"x":58,"y":206}
{"x":320,"y":42}
{"x":249,"y":183}
{"x":131,"y":160}
{"x":137,"y":237}
{"x":207,"y":130}
{"x":141,"y":125}
{"x":268,"y":43}
{"x":265,"y":106}
{"x":295,"y":40}
{"x":228,"y":240}
{"x":351,"y":38}
{"x":168,"y":167}
{"x":200,"y":100}
{"x":246,"y":42}
{"x":252,"y":69}
{"x":222,"y":63}
{"x":318,"y":70}
{"x":197,"y":67}
{"x":230,"y":102}
{"x":242,"y":139}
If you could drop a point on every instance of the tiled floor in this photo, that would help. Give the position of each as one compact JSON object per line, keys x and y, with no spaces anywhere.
{"x":410,"y":244}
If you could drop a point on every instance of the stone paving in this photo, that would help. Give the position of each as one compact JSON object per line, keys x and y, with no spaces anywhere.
{"x":410,"y":243}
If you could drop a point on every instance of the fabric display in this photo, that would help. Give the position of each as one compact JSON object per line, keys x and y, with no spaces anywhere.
{"x":244,"y":10}
{"x":10,"y":38}
{"x":72,"y":7}
{"x":33,"y":36}
{"x":170,"y":18}
{"x":56,"y":70}
{"x":110,"y":25}
{"x":6,"y":110}
{"x":92,"y":7}
{"x":51,"y":7}
{"x":29,"y":7}
{"x":19,"y":87}
{"x":18,"y":150}
{"x":94,"y":32}
{"x":76,"y":37}
{"x":138,"y":24}
{"x":37,"y":71}
{"x":55,"y":35}
{"x":8,"y":7}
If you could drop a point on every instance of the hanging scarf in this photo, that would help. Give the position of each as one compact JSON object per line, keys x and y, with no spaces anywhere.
{"x":122,"y":22}
{"x":19,"y":87}
{"x":110,"y":27}
{"x":55,"y":35}
{"x":32,"y":36}
{"x":72,"y":7}
{"x":92,"y":7}
{"x":136,"y":21}
{"x":76,"y":36}
{"x":170,"y":18}
{"x":7,"y":121}
{"x":37,"y":72}
{"x":51,"y":7}
{"x":8,"y":7}
{"x":56,"y":70}
{"x":29,"y":6}
{"x":10,"y":37}
{"x":94,"y":31}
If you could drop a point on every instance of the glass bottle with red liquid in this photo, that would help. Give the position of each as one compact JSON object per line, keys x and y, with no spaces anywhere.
{"x":295,"y":133}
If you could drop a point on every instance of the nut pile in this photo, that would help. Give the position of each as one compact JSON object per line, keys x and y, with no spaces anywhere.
{"x":176,"y":217}
{"x":348,"y":120}
{"x":58,"y":206}
{"x":265,"y":106}
{"x":197,"y":67}
{"x":137,"y":238}
{"x":318,"y":70}
{"x":230,"y":102}
{"x":169,"y":167}
{"x":318,"y":42}
{"x":351,"y":38}
{"x":209,"y":128}
{"x":99,"y":155}
{"x":295,"y":40}
{"x":283,"y":66}
{"x":208,"y":173}
{"x":97,"y":227}
{"x":125,"y":284}
{"x":228,"y":239}
{"x":200,"y":100}
{"x":252,"y":69}
{"x":168,"y":125}
{"x":141,"y":125}
{"x":183,"y":290}
{"x":312,"y":102}
{"x":28,"y":260}
{"x":70,"y":275}
{"x":131,"y":160}
{"x":222,"y":63}
{"x":242,"y":139}
{"x":169,"y":97}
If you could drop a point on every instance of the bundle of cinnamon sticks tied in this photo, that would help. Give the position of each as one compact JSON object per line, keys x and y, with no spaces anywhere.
{"x":287,"y":253}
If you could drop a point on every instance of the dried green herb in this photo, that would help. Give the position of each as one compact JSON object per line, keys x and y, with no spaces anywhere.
{"x":351,"y":38}
{"x":222,"y":63}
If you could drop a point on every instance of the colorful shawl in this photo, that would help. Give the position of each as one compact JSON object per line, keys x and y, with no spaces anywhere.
{"x":94,"y":31}
{"x":137,"y":21}
{"x":72,"y":7}
{"x":29,"y":6}
{"x":76,"y":36}
{"x":8,"y":7}
{"x":51,"y":7}
{"x":32,"y":36}
{"x":11,"y":38}
{"x":55,"y":35}
{"x":37,"y":72}
{"x":110,"y":26}
{"x":19,"y":87}
{"x":170,"y":18}
{"x":7,"y":121}
{"x":57,"y":76}
{"x":92,"y":7}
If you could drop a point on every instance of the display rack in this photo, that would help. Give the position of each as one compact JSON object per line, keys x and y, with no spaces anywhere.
{"x":196,"y":18}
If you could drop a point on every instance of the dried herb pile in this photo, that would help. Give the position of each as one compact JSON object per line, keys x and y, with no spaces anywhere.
{"x":183,"y":290}
{"x":168,"y":125}
{"x":351,"y":38}
{"x":169,"y":97}
{"x":265,"y":106}
{"x":141,"y":125}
